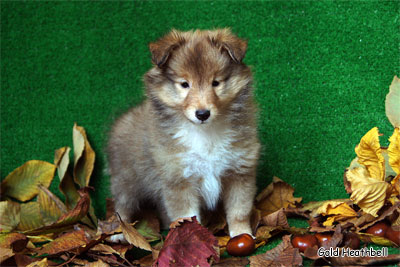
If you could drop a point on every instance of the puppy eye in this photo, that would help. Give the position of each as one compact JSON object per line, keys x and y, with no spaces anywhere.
{"x":185,"y":85}
{"x":215,"y":83}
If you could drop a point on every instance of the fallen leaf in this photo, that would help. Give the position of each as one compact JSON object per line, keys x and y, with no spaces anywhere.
{"x":5,"y":253}
{"x":16,"y":241}
{"x":22,"y":183}
{"x":394,"y":150}
{"x":84,"y":157}
{"x":51,"y":207}
{"x":68,"y":242}
{"x":40,"y":263}
{"x":67,"y":184}
{"x":368,"y":193}
{"x":277,"y":195}
{"x":145,"y":229}
{"x":134,"y":237}
{"x":31,"y":217}
{"x":369,"y":154}
{"x":338,"y":213}
{"x":282,"y":255}
{"x":67,"y":219}
{"x":369,"y":238}
{"x":369,"y":261}
{"x":392,"y":103}
{"x":232,"y":262}
{"x":277,"y":218}
{"x":9,"y":215}
{"x":98,"y":263}
{"x":188,"y":244}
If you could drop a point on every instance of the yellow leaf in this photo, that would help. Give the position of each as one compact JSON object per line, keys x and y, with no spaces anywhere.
{"x":84,"y":157}
{"x":368,"y":193}
{"x":42,"y":263}
{"x":22,"y":183}
{"x":30,"y":216}
{"x":9,"y":215}
{"x":382,"y":241}
{"x":370,"y":155}
{"x":394,"y":150}
{"x":392,"y":103}
{"x":340,"y":212}
{"x":98,"y":263}
{"x":134,"y":237}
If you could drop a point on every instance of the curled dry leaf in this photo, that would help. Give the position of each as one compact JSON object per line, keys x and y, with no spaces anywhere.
{"x":394,"y":158}
{"x":382,"y":241}
{"x":275,"y":196}
{"x":369,"y":154}
{"x":368,"y":193}
{"x":22,"y":183}
{"x":51,"y":207}
{"x":68,"y":242}
{"x":16,"y":241}
{"x":339,"y":213}
{"x":84,"y":157}
{"x":134,"y":237}
{"x":188,"y":244}
{"x":67,"y":184}
{"x":277,"y":218}
{"x":67,"y":219}
{"x":9,"y":215}
{"x":392,"y":104}
{"x":282,"y":255}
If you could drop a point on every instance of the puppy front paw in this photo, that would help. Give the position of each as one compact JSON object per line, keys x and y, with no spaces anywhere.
{"x":118,"y":238}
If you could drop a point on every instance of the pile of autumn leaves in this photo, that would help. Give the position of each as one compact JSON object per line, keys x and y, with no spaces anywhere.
{"x":38,"y":229}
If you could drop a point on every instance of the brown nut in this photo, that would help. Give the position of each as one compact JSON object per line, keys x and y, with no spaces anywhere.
{"x":351,"y":240}
{"x":302,"y":242}
{"x":241,"y":245}
{"x":378,"y":229}
{"x":393,"y":235}
{"x":322,"y":238}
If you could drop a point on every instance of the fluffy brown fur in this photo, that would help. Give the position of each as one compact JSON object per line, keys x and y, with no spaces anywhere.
{"x":161,"y":152}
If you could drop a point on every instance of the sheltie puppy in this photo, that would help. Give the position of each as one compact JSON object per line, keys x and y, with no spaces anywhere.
{"x":193,"y":142}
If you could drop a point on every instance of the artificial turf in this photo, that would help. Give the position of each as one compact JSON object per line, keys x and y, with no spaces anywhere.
{"x":321,"y":68}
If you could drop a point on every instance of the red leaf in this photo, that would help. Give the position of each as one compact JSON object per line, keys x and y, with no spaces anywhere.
{"x":188,"y":244}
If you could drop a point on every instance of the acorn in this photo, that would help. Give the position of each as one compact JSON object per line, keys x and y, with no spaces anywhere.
{"x":241,"y":245}
{"x":302,"y":242}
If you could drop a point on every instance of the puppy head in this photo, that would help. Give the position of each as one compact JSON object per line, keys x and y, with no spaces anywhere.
{"x":197,"y":73}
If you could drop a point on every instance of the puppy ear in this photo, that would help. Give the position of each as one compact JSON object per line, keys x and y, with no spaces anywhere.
{"x":161,"y":50}
{"x":235,"y":46}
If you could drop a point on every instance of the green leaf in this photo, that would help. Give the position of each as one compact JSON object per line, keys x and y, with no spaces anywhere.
{"x":143,"y":227}
{"x":22,"y":183}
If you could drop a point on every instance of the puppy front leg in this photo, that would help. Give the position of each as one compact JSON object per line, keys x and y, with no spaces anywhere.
{"x":238,"y":196}
{"x":181,"y":200}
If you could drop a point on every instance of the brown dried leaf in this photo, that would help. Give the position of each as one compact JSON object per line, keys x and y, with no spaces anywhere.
{"x":188,"y":244}
{"x":68,"y":242}
{"x":9,"y":215}
{"x":39,"y":263}
{"x":232,"y":262}
{"x":16,"y":241}
{"x":22,"y":183}
{"x":5,"y":253}
{"x":134,"y":237}
{"x":282,"y":255}
{"x":276,"y":196}
{"x":98,"y":263}
{"x":277,"y":218}
{"x":371,"y":261}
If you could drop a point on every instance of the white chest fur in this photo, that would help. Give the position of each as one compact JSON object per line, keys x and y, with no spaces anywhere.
{"x":209,"y":152}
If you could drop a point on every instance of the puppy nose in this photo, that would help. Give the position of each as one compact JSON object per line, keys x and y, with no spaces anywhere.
{"x":202,"y":114}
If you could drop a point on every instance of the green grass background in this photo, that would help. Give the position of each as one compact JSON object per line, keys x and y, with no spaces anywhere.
{"x":322,"y":71}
